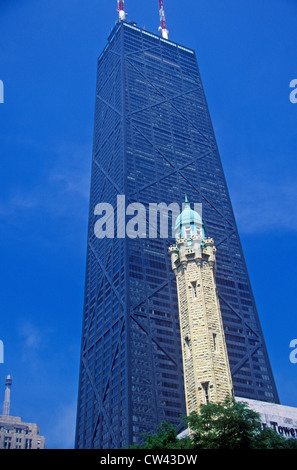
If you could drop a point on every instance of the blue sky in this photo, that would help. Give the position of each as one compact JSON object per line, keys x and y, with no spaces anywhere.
{"x":48,"y":52}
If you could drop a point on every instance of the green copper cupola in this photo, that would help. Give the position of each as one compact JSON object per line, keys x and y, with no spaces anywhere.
{"x":189,"y":223}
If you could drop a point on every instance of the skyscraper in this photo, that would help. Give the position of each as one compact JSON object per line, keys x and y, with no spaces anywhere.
{"x":154,"y":142}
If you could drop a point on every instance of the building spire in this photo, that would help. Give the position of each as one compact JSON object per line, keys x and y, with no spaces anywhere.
{"x":121,"y":10}
{"x":6,"y":403}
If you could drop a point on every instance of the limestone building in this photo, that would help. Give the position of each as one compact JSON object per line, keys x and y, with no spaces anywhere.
{"x":14,"y":433}
{"x":207,"y":374}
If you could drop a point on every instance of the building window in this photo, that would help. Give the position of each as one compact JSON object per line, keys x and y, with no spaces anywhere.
{"x":187,"y":346}
{"x":188,"y":232}
{"x":198,"y":232}
{"x":214,"y":338}
{"x":28,"y":443}
{"x":194,"y":284}
{"x":7,"y":443}
{"x":205,"y":387}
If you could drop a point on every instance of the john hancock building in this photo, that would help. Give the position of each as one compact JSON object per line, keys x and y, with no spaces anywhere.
{"x":154,"y":142}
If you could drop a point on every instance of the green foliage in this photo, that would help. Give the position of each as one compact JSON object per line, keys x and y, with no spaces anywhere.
{"x":226,"y":425}
{"x":165,"y":438}
{"x":269,"y":439}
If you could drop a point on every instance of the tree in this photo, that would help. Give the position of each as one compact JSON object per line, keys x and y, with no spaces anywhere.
{"x":164,"y":438}
{"x":269,"y":439}
{"x":233,"y":425}
{"x":226,"y":425}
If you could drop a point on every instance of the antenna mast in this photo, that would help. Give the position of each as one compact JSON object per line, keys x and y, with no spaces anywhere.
{"x":162,"y":27}
{"x":121,"y":10}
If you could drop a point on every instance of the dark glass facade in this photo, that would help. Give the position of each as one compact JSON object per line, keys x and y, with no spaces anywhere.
{"x":154,"y":142}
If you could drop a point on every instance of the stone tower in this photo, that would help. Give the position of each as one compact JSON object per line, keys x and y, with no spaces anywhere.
{"x":207,"y":374}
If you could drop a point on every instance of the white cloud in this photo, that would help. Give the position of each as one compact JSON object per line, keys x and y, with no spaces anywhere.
{"x":64,"y":189}
{"x":72,"y":170}
{"x":32,"y":336}
{"x":264,"y":201}
{"x":31,"y":341}
{"x":61,"y":430}
{"x":18,"y":203}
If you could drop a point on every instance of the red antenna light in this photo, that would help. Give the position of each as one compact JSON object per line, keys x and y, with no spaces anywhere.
{"x":121,"y":10}
{"x":162,"y":27}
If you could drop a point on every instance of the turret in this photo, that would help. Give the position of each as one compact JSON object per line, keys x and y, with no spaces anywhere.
{"x":207,"y":373}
